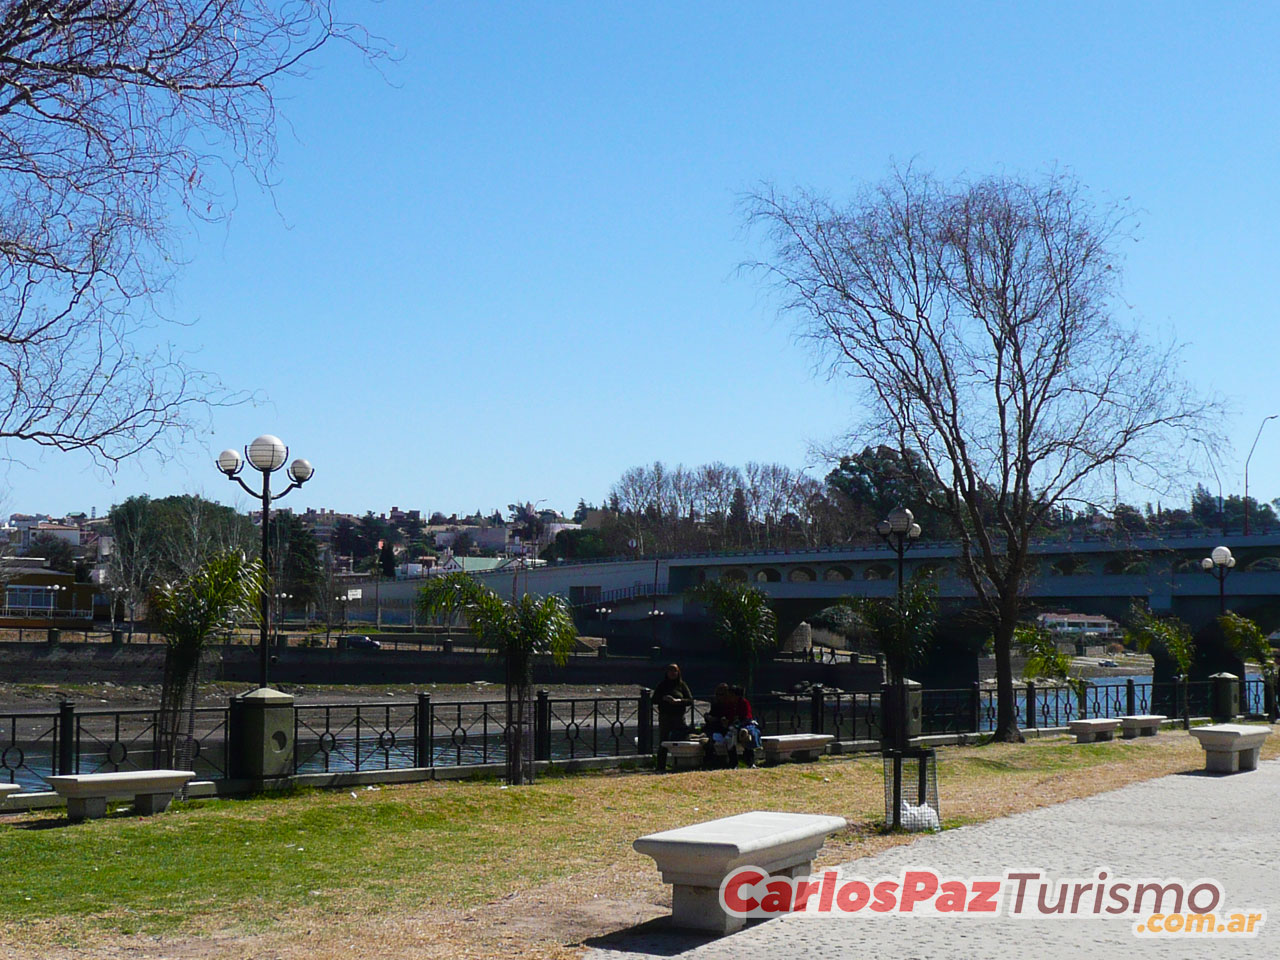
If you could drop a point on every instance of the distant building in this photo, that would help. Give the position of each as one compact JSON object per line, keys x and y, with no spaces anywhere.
{"x":1079,"y":626}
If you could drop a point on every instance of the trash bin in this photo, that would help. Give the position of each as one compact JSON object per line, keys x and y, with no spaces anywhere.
{"x":1226,"y":696}
{"x":55,"y":635}
{"x":911,"y":790}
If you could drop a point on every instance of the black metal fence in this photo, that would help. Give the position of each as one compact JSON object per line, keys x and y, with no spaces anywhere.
{"x":350,"y":737}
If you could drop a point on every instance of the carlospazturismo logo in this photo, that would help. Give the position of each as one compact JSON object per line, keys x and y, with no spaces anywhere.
{"x":1155,"y":907}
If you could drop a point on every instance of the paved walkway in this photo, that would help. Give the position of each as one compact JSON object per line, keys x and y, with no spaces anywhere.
{"x":1184,"y":826}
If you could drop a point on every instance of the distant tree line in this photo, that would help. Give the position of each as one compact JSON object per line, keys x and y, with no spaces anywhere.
{"x":715,"y":507}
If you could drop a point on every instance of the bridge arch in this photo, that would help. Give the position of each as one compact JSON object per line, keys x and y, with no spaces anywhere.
{"x":832,"y":574}
{"x":768,"y":575}
{"x":801,"y":575}
{"x":734,"y":575}
{"x":877,"y":571}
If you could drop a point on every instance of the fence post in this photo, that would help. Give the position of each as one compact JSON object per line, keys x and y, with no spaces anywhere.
{"x":1031,"y":705}
{"x":816,"y":707}
{"x":67,"y":738}
{"x":644,"y":721}
{"x":423,"y":728}
{"x":975,"y":707}
{"x":542,"y":727}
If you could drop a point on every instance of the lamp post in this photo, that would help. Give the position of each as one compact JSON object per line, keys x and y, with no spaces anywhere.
{"x":900,"y":531}
{"x":1246,"y":469}
{"x":1218,"y":564}
{"x":281,"y":605}
{"x":55,"y":590}
{"x":266,"y":454}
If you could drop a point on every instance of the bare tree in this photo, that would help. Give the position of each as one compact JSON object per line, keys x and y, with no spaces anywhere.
{"x":979,"y":317}
{"x":114,"y":115}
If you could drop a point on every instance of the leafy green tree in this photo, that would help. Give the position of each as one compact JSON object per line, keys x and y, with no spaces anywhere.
{"x":580,"y":514}
{"x":387,"y":559}
{"x":902,"y":628}
{"x":1044,"y":660}
{"x":1171,"y":637}
{"x":739,"y":521}
{"x":346,"y":538}
{"x":295,"y":559}
{"x":577,"y":545}
{"x":60,"y":555}
{"x":517,"y":632}
{"x":881,"y":478}
{"x":1247,"y":639}
{"x":742,"y":620}
{"x":190,"y":611}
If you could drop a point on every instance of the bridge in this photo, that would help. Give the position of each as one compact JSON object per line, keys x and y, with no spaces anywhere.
{"x":1089,"y":574}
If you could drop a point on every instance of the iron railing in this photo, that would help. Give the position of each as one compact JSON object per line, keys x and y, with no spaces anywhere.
{"x":354,"y":737}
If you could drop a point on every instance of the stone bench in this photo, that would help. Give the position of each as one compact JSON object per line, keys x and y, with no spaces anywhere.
{"x":795,"y":746}
{"x":696,"y":859}
{"x":6,"y":789}
{"x":1229,"y":747}
{"x":1090,"y":731}
{"x":86,"y":793}
{"x":1141,"y":725}
{"x":680,"y":751}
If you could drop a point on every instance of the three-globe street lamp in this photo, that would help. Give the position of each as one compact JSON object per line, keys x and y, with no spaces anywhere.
{"x":1246,"y":469}
{"x":266,"y":454}
{"x":900,"y":531}
{"x":1218,"y":564}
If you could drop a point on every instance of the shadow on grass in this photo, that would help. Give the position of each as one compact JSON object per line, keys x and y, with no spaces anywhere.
{"x":657,"y":937}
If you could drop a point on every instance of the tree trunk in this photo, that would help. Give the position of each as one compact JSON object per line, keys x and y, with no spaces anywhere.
{"x":1006,"y":713}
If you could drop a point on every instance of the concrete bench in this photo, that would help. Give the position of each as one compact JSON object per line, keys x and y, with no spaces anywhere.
{"x":795,"y":746}
{"x":86,"y":793}
{"x":1141,"y":725}
{"x":684,"y":751}
{"x":6,"y":789}
{"x":1229,"y":747}
{"x":696,"y":859}
{"x":1089,"y":731}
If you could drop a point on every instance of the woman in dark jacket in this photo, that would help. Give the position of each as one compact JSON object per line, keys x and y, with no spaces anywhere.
{"x":673,"y":698}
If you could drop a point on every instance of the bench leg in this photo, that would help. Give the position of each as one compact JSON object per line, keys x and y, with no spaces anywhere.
{"x":1221,"y":761}
{"x":1084,"y":738}
{"x":1249,"y":758}
{"x":149,"y":803}
{"x":86,"y":808}
{"x":1133,"y":734}
{"x":698,"y":908}
{"x":1150,"y":731}
{"x":1104,"y":735}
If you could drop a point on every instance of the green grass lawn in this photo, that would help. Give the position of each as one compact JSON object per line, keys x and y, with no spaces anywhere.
{"x":251,"y":865}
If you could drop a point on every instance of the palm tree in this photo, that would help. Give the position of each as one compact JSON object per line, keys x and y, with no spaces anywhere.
{"x":517,"y":631}
{"x":1172,"y":637}
{"x":190,"y":611}
{"x":1247,"y":639}
{"x":742,"y":619}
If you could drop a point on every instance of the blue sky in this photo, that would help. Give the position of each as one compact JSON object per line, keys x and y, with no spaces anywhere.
{"x":508,"y":269}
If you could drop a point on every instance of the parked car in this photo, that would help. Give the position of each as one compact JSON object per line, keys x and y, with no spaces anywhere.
{"x":357,"y":642}
{"x":1107,"y":663}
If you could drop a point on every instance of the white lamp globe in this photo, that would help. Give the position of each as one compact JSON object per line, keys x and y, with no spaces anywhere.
{"x":1221,"y":556}
{"x":267,"y":453}
{"x":229,"y":462}
{"x":883,"y":528}
{"x":1206,"y":564}
{"x":914,"y":532}
{"x":900,"y":519}
{"x":301,"y":470}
